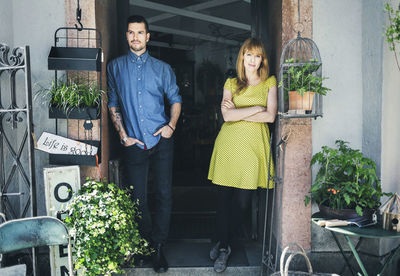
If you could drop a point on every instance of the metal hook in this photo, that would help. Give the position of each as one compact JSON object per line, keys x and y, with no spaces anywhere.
{"x":78,"y":18}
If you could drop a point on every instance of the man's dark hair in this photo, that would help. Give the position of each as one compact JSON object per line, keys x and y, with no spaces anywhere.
{"x":137,"y":19}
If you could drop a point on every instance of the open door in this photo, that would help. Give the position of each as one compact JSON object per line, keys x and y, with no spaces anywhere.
{"x":200,"y":39}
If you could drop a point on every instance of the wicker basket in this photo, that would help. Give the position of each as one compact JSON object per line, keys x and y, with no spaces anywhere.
{"x":284,"y":265}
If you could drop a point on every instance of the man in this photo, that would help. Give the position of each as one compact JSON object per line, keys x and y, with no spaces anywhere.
{"x":137,"y":85}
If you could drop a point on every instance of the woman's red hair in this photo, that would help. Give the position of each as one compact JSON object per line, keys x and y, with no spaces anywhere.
{"x":254,"y":46}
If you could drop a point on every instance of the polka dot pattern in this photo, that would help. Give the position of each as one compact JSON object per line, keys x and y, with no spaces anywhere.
{"x":241,"y":152}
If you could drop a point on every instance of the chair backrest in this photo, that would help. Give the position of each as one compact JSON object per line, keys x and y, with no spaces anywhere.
{"x":16,"y":270}
{"x":2,"y":218}
{"x":31,"y":232}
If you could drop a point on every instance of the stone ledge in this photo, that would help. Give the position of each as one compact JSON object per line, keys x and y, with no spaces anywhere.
{"x":196,"y":271}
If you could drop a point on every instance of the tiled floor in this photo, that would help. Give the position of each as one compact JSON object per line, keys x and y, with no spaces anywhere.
{"x":191,"y":234}
{"x":185,"y":253}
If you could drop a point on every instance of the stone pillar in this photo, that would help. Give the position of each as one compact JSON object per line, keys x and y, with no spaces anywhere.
{"x":290,"y":19}
{"x":90,"y":10}
{"x":295,"y":217}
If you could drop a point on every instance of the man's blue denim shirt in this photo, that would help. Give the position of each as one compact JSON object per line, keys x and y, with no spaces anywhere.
{"x":137,"y":85}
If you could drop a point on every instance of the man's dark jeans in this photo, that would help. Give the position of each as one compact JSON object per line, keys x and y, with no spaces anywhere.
{"x":136,"y":167}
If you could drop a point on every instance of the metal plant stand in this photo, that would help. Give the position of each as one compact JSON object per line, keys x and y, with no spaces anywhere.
{"x":17,"y":168}
{"x":270,"y":249}
{"x":77,"y":52}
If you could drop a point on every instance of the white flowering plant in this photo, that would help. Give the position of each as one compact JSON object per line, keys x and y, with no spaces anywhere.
{"x":102,"y":222}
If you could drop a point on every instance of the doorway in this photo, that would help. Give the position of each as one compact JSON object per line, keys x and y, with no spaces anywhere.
{"x":200,"y":40}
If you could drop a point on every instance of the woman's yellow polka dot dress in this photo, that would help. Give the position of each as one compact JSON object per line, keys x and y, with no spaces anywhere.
{"x":241,"y":151}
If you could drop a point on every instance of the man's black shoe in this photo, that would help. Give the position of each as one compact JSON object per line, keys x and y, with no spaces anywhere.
{"x":160,"y":264}
{"x":141,"y":260}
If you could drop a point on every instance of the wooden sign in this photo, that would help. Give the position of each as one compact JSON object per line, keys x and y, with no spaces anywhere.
{"x":56,"y":144}
{"x":61,"y":183}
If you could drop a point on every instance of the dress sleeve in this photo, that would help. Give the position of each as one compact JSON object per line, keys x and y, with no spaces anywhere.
{"x":271,"y":82}
{"x":231,"y":85}
{"x":228,"y":85}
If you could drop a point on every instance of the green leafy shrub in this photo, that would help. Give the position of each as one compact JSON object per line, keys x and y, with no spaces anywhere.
{"x":392,"y":32}
{"x":102,"y":222}
{"x":301,"y":77}
{"x":345,"y":180}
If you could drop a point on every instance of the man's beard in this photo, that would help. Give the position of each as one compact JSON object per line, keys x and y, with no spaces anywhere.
{"x":137,"y":48}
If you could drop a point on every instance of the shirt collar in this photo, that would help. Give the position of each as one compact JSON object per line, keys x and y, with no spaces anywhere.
{"x":143,"y":57}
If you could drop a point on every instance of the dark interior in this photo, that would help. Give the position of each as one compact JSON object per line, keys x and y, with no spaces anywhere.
{"x":202,"y":52}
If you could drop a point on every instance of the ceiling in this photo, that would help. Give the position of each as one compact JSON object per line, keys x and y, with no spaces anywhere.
{"x":184,"y":24}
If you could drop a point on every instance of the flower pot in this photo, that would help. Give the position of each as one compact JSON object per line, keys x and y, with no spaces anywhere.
{"x":298,"y":102}
{"x":344,"y":214}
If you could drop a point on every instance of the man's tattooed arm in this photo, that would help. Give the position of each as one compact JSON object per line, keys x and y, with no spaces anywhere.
{"x":116,"y":118}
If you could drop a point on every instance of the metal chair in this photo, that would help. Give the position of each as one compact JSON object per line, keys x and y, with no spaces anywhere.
{"x":32,"y":232}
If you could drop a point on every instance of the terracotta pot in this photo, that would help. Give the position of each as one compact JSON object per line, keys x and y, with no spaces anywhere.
{"x":298,"y":102}
{"x":344,"y":214}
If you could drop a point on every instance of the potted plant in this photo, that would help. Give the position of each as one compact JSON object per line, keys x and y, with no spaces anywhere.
{"x":300,"y":82}
{"x":73,"y":100}
{"x":392,"y":32}
{"x":102,"y":222}
{"x":345,"y":180}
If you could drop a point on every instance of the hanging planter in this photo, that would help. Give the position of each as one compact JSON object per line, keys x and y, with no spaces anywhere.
{"x":79,"y":113}
{"x":301,"y":71}
{"x":75,"y":58}
{"x":73,"y":100}
{"x":301,"y":82}
{"x":79,"y":96}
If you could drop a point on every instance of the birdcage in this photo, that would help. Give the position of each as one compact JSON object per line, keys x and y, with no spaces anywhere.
{"x":301,"y":83}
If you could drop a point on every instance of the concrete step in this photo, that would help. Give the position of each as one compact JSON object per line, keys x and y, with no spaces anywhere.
{"x":196,"y":271}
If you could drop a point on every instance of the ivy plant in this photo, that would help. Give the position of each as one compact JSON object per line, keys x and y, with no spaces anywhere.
{"x":102,"y":222}
{"x":346,"y":179}
{"x":392,"y":32}
{"x":302,"y":77}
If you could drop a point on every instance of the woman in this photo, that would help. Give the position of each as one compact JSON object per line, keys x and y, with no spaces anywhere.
{"x":240,"y":159}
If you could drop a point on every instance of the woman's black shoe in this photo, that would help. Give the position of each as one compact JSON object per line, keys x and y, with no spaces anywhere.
{"x":160,"y":264}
